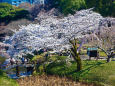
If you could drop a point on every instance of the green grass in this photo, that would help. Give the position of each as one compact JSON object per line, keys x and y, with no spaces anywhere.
{"x":102,"y":54}
{"x":83,"y":52}
{"x":5,"y":81}
{"x":2,"y":59}
{"x":99,"y":72}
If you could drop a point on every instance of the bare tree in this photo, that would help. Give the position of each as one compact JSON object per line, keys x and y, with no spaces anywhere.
{"x":107,"y":42}
{"x":105,"y":38}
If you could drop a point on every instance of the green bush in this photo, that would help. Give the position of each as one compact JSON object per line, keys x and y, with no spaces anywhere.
{"x":21,"y":13}
{"x":2,"y":59}
{"x":104,"y":7}
{"x":8,"y":12}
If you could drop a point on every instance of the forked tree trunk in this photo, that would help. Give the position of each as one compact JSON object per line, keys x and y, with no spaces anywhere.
{"x":78,"y":61}
{"x":75,"y":54}
{"x":109,"y":55}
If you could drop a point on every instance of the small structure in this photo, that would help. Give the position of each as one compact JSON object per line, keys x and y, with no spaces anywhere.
{"x":30,"y":70}
{"x":93,"y":52}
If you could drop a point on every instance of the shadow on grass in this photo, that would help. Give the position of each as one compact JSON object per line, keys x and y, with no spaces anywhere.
{"x":60,"y":69}
{"x":91,"y":66}
{"x":1,"y":73}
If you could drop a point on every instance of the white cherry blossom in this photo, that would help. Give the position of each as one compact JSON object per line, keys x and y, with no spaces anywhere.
{"x":53,"y":32}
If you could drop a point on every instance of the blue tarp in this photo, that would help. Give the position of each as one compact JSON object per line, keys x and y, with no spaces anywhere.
{"x":90,"y":49}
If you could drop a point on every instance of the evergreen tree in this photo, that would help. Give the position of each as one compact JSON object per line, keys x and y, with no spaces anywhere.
{"x":104,"y":7}
{"x":67,"y":6}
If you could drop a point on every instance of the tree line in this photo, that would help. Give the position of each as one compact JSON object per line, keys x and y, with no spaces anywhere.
{"x":104,"y":7}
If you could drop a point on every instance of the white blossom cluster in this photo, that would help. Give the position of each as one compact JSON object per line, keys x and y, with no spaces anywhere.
{"x":53,"y":32}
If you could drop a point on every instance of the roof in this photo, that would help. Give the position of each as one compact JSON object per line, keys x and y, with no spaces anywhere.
{"x":93,"y":48}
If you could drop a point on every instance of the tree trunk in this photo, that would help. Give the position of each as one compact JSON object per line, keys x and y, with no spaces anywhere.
{"x":78,"y":61}
{"x":109,"y":59}
{"x":110,"y":56}
{"x":79,"y":64}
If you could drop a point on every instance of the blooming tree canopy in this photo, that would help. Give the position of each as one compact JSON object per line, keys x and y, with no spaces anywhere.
{"x":53,"y":32}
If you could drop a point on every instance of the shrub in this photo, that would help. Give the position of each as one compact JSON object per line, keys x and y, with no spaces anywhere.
{"x":21,"y":13}
{"x":8,"y":12}
{"x":2,"y":59}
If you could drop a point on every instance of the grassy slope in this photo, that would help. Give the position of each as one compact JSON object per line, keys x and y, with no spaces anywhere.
{"x":5,"y":81}
{"x":93,"y":71}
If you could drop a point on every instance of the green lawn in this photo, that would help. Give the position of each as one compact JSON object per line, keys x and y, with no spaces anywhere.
{"x":102,"y":54}
{"x":99,"y":72}
{"x":5,"y":81}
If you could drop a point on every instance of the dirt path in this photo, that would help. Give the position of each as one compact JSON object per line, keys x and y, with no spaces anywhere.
{"x":49,"y":81}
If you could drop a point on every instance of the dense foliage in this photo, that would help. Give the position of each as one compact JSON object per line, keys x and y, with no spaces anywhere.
{"x":105,"y":7}
{"x":52,"y":32}
{"x":68,"y":6}
{"x":2,"y":59}
{"x":8,"y":12}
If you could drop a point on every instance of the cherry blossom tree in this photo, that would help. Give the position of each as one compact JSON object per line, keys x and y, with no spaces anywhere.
{"x":104,"y":37}
{"x":53,"y":32}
